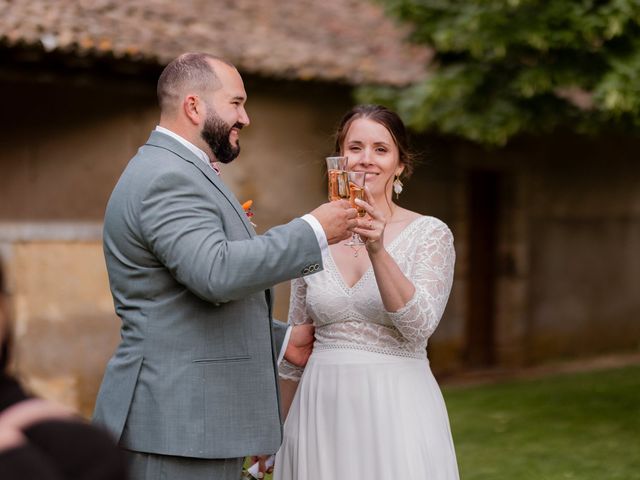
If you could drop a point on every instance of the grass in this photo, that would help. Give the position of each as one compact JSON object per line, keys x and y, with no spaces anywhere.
{"x":582,"y":426}
{"x":569,"y":427}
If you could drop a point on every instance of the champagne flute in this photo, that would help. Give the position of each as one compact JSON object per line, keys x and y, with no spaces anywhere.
{"x":357,"y":182}
{"x":338,"y":181}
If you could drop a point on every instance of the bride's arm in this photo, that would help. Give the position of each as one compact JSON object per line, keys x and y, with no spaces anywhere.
{"x":395,"y":288}
{"x":414,"y":305}
{"x":289,"y":373}
{"x":432,"y":276}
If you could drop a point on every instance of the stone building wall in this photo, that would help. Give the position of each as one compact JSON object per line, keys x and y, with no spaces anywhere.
{"x":58,"y":164}
{"x":567,"y":260}
{"x":61,"y":152}
{"x":585,"y":248}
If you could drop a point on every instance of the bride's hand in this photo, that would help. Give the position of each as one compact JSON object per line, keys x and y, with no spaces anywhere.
{"x":371,"y":228}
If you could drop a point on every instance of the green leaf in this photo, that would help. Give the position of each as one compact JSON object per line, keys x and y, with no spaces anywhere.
{"x":503,"y":68}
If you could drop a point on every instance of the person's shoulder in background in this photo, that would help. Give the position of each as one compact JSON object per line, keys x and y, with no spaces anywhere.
{"x":42,"y":440}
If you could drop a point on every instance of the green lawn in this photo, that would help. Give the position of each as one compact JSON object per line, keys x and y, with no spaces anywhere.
{"x":571,"y":427}
{"x":581,"y":426}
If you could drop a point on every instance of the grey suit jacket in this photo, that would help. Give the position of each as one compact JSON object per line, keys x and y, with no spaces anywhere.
{"x":195,"y":373}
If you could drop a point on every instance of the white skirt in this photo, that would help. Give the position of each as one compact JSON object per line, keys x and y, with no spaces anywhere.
{"x":362,"y":415}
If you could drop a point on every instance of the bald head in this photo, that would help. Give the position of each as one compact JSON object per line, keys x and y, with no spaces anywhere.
{"x":189,"y":73}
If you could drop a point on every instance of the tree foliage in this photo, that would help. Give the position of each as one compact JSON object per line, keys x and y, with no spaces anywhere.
{"x":505,"y":67}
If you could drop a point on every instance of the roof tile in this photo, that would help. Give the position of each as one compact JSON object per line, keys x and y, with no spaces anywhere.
{"x":349,"y":41}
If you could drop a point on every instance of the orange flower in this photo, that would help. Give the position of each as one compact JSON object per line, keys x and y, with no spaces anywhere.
{"x":246,"y":206}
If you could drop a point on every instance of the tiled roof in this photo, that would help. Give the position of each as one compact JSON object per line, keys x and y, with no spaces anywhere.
{"x":350,"y":41}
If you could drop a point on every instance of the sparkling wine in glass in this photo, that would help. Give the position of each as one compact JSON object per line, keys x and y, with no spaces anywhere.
{"x":338,"y":180}
{"x":357,"y":181}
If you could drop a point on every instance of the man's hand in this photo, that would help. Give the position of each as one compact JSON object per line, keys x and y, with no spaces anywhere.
{"x":337,"y":219}
{"x":300,"y":345}
{"x":265,"y":465}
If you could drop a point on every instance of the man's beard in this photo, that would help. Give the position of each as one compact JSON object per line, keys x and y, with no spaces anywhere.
{"x":216,"y":133}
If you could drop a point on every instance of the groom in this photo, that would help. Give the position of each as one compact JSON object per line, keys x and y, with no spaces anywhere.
{"x":192,"y":387}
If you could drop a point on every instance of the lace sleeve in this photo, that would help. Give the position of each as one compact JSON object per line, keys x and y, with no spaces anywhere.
{"x":297,"y":316}
{"x":432,"y":277}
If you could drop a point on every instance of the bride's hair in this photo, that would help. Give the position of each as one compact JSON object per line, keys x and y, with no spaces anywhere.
{"x":387,"y":118}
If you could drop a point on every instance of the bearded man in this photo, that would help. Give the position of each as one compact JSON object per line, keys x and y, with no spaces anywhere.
{"x":192,"y":387}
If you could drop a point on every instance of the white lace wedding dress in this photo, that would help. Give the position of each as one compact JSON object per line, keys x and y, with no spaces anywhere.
{"x":367,"y":405}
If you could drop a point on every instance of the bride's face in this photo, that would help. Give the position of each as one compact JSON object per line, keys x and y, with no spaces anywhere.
{"x":371,"y":148}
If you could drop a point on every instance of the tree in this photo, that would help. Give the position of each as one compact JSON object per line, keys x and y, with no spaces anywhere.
{"x":506,"y":67}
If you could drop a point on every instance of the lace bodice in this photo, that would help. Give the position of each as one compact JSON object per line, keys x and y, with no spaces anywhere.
{"x":356,"y":318}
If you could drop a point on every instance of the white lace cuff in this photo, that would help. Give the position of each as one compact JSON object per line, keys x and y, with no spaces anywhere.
{"x":288,"y":371}
{"x":403,"y":310}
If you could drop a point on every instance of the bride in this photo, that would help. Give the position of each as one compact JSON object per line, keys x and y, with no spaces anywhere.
{"x":367,"y":404}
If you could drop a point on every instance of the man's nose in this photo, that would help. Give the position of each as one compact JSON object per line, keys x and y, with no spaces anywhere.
{"x":244,"y":118}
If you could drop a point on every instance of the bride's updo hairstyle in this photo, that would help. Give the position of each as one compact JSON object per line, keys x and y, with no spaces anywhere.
{"x":387,"y":118}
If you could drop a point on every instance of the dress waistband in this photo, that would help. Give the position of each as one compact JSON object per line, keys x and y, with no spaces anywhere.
{"x":421,"y":355}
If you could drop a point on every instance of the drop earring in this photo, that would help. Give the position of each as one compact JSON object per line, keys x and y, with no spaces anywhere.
{"x":397,"y":186}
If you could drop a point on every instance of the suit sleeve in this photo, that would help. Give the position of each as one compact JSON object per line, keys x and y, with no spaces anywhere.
{"x":183,"y":227}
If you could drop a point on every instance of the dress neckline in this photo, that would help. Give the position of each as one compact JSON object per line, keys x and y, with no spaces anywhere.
{"x":335,"y":271}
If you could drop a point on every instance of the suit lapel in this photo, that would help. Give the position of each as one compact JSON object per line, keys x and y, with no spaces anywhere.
{"x":160,"y":140}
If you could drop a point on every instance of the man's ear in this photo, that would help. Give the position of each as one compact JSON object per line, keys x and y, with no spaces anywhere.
{"x":193,"y":109}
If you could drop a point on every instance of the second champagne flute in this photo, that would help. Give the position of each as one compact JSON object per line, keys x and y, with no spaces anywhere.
{"x":357,"y":181}
{"x":338,"y":182}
